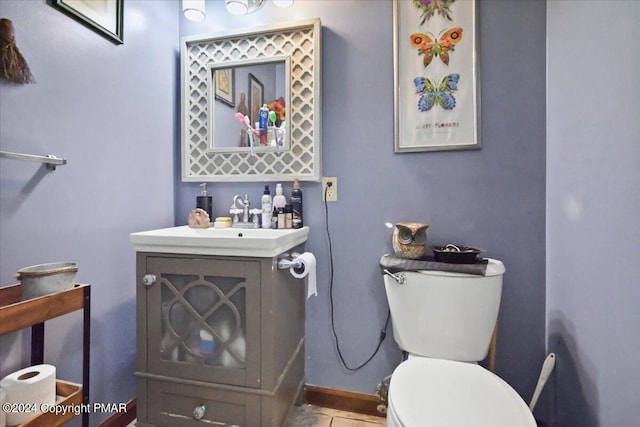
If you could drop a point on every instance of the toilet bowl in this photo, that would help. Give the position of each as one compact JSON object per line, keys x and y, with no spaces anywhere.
{"x":444,"y":320}
{"x":435,"y":392}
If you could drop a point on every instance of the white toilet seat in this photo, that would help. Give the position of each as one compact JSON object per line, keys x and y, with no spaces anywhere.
{"x":444,"y":393}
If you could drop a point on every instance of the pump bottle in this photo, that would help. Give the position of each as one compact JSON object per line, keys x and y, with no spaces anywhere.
{"x":205,"y":202}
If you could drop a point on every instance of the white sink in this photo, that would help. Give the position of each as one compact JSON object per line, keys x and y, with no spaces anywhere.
{"x":255,"y":242}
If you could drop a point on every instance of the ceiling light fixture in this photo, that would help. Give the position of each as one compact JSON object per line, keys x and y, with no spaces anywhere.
{"x":242,"y":7}
{"x":237,"y":7}
{"x":282,"y":3}
{"x":194,"y":10}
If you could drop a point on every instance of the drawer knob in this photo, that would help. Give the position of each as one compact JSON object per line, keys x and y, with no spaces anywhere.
{"x":198,"y":412}
{"x":149,"y":279}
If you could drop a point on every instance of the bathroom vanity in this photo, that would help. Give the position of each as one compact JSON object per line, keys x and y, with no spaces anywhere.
{"x":220,"y":329}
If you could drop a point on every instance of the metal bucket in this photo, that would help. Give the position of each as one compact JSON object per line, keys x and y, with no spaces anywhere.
{"x":43,"y":279}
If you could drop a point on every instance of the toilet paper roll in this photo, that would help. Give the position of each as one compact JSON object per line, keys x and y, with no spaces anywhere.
{"x":28,"y":389}
{"x":308,"y":268}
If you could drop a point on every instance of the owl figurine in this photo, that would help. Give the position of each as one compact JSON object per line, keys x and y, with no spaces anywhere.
{"x":410,"y":239}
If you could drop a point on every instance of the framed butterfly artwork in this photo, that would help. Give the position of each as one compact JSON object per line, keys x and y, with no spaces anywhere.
{"x":436,"y":83}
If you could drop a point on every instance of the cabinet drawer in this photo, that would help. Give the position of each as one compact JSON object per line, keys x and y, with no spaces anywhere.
{"x":173,"y":404}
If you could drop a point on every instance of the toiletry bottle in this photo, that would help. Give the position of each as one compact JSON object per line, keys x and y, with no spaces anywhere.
{"x":267,"y":207}
{"x":281,"y":219}
{"x":205,"y":202}
{"x":263,"y":123}
{"x":207,"y":346}
{"x":279,"y":201}
{"x":288,"y":216}
{"x":274,"y":218}
{"x":296,"y":203}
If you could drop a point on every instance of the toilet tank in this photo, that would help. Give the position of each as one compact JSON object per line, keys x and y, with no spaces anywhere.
{"x":446,"y":315}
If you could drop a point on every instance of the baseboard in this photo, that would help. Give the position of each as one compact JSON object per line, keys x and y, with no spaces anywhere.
{"x":343,"y":400}
{"x":122,"y":419}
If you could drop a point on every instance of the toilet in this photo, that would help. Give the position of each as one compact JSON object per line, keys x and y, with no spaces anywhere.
{"x":444,"y":321}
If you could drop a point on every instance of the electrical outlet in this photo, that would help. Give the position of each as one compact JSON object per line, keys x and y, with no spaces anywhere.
{"x":329,"y":189}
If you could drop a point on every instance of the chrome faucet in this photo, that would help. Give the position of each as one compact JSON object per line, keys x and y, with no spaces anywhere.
{"x":244,"y":204}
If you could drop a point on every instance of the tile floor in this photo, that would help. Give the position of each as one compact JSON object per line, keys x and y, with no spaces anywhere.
{"x":316,"y":416}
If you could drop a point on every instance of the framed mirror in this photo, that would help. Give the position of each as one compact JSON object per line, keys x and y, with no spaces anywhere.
{"x":243,"y":87}
{"x":217,"y":69}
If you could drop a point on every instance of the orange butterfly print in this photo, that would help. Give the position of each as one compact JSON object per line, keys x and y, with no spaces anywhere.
{"x":440,"y":47}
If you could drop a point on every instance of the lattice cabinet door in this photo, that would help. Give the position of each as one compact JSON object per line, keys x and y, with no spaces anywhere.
{"x":203,"y":319}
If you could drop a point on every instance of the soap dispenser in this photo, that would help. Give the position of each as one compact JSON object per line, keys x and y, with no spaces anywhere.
{"x":205,"y":202}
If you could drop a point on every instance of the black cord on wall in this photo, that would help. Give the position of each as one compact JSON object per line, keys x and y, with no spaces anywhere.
{"x":383,"y":332}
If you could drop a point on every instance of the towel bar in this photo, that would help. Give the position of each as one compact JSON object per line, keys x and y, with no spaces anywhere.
{"x":50,"y":160}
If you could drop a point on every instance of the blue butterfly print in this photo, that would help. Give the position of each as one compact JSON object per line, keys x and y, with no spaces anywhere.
{"x":442,"y":95}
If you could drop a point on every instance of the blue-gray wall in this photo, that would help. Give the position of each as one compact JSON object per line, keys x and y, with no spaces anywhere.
{"x":593,"y":200}
{"x":111,"y":111}
{"x":493,"y":198}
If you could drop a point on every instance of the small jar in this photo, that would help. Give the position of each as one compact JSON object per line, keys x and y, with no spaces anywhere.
{"x":288,"y":216}
{"x":281,"y":218}
{"x":274,"y":218}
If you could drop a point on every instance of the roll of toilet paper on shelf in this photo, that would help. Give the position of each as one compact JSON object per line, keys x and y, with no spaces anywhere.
{"x":308,"y":261}
{"x":27,"y":391}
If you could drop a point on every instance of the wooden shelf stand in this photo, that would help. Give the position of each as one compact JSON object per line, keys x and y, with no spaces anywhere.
{"x":16,"y":314}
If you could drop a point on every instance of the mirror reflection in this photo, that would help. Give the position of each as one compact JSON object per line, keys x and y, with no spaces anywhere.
{"x":237,"y":91}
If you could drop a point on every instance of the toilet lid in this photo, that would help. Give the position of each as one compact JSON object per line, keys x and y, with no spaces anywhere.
{"x":445,"y":393}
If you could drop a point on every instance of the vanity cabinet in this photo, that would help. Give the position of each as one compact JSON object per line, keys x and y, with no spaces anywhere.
{"x":220,"y":340}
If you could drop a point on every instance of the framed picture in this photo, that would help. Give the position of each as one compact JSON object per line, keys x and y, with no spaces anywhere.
{"x":436,"y":89}
{"x":256,"y":97}
{"x":225,"y":86}
{"x":102,"y":16}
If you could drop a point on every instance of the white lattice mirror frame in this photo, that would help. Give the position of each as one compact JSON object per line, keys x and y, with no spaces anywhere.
{"x":301,"y":42}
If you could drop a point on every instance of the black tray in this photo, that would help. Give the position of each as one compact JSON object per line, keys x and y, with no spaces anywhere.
{"x":465,"y":254}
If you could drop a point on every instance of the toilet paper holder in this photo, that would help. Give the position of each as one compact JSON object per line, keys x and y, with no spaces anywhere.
{"x":285,"y":262}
